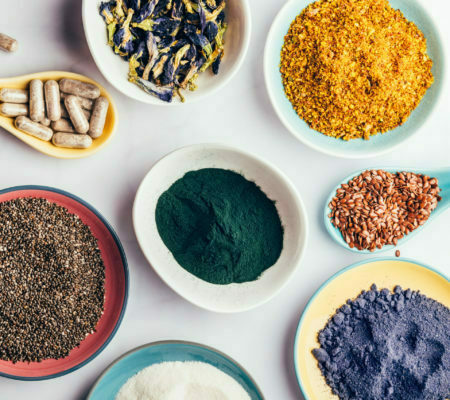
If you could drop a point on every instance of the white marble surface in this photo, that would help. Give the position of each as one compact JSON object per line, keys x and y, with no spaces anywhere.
{"x":51,"y":37}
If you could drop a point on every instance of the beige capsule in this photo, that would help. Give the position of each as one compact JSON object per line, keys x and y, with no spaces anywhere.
{"x":9,"y":95}
{"x":37,"y":104}
{"x":98,"y":117}
{"x":63,"y":125}
{"x":65,"y":114}
{"x":52,"y":100}
{"x":71,"y":140}
{"x":35,"y":129}
{"x":87,"y":104}
{"x":79,"y":88}
{"x":76,"y":114}
{"x":45,"y":122}
{"x":13,"y":109}
{"x":7,"y":43}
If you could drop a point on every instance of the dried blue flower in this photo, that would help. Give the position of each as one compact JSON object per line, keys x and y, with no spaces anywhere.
{"x":165,"y":93}
{"x":202,"y":17}
{"x":162,"y":7}
{"x":158,"y":68}
{"x":145,"y":11}
{"x":134,"y":4}
{"x":191,"y":54}
{"x":216,"y":64}
{"x":123,"y":39}
{"x":177,"y":10}
{"x":201,"y":41}
{"x":173,"y":64}
{"x":211,"y":30}
{"x":166,"y":42}
{"x":165,"y":26}
{"x":106,"y":11}
{"x":153,"y":54}
{"x":120,"y":10}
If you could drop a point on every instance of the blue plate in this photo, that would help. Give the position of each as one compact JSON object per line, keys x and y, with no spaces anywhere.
{"x":356,"y":148}
{"x":109,"y":383}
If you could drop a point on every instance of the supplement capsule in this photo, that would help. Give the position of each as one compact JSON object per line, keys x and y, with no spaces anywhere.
{"x":45,"y":122}
{"x":63,"y":125}
{"x":35,"y":129}
{"x":79,"y":88}
{"x":87,"y":104}
{"x":8,"y":95}
{"x":13,"y":109}
{"x":7,"y":43}
{"x":65,"y":114}
{"x":37,"y":105}
{"x":98,"y":117}
{"x":77,"y":117}
{"x":52,"y":100}
{"x":71,"y":140}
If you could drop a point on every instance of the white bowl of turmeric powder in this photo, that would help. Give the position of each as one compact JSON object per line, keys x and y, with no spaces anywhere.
{"x":339,"y":73}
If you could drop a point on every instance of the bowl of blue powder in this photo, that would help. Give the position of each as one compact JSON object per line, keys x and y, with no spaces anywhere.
{"x":377,"y":330}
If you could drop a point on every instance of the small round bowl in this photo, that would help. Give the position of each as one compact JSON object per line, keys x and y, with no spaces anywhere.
{"x":220,"y":298}
{"x":115,"y":70}
{"x":346,"y":284}
{"x":115,"y":376}
{"x":116,"y":288}
{"x":355,"y":148}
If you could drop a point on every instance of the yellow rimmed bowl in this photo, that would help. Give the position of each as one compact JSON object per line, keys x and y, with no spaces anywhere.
{"x":348,"y":284}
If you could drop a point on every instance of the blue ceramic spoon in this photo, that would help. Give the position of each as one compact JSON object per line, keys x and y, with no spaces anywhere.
{"x":443,"y":176}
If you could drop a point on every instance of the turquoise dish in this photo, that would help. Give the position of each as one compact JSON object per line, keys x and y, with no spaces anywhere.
{"x":443,"y":177}
{"x":109,"y":383}
{"x":356,"y":148}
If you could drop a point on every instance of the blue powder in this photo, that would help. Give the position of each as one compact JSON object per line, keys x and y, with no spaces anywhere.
{"x":387,"y":346}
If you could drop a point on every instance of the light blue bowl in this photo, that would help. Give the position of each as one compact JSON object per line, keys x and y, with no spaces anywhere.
{"x":443,"y":177}
{"x":109,"y":383}
{"x":356,"y":148}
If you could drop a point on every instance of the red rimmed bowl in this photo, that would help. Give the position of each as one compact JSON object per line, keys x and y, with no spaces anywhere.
{"x":116,"y":288}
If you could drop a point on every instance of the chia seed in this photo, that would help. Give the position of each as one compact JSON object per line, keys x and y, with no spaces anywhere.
{"x":51,"y":280}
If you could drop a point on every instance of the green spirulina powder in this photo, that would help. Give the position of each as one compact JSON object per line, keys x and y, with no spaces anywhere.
{"x":219,"y":226}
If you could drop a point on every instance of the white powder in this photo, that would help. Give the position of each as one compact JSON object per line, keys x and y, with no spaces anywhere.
{"x":182,"y":381}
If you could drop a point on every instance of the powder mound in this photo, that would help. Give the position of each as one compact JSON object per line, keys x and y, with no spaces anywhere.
{"x":219,"y":226}
{"x":182,"y":381}
{"x":387,"y":345}
{"x":353,"y":68}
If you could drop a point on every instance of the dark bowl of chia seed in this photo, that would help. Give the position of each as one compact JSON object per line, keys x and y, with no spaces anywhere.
{"x":63,"y":283}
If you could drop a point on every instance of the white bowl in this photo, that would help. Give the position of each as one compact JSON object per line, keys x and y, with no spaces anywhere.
{"x":115,"y":69}
{"x":220,"y":298}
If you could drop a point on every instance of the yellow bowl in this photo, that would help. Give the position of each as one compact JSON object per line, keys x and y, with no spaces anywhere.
{"x":346,"y":284}
{"x":21,"y":82}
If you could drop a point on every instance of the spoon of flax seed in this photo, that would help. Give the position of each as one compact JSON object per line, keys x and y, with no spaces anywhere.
{"x":373,"y":210}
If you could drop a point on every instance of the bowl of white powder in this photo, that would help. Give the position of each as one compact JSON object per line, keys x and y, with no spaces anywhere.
{"x":175,"y":370}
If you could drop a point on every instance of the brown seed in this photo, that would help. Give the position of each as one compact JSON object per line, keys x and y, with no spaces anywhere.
{"x":378,"y":208}
{"x":397,"y":253}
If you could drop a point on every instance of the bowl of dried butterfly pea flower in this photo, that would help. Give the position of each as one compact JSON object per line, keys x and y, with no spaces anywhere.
{"x":63,"y":283}
{"x":353,"y":78}
{"x":166,"y":52}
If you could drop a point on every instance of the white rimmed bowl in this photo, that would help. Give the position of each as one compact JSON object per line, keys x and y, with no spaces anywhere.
{"x":355,"y":148}
{"x":220,"y":298}
{"x":115,"y":69}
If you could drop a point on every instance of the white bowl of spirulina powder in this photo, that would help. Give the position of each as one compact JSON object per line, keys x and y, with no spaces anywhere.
{"x":175,"y":370}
